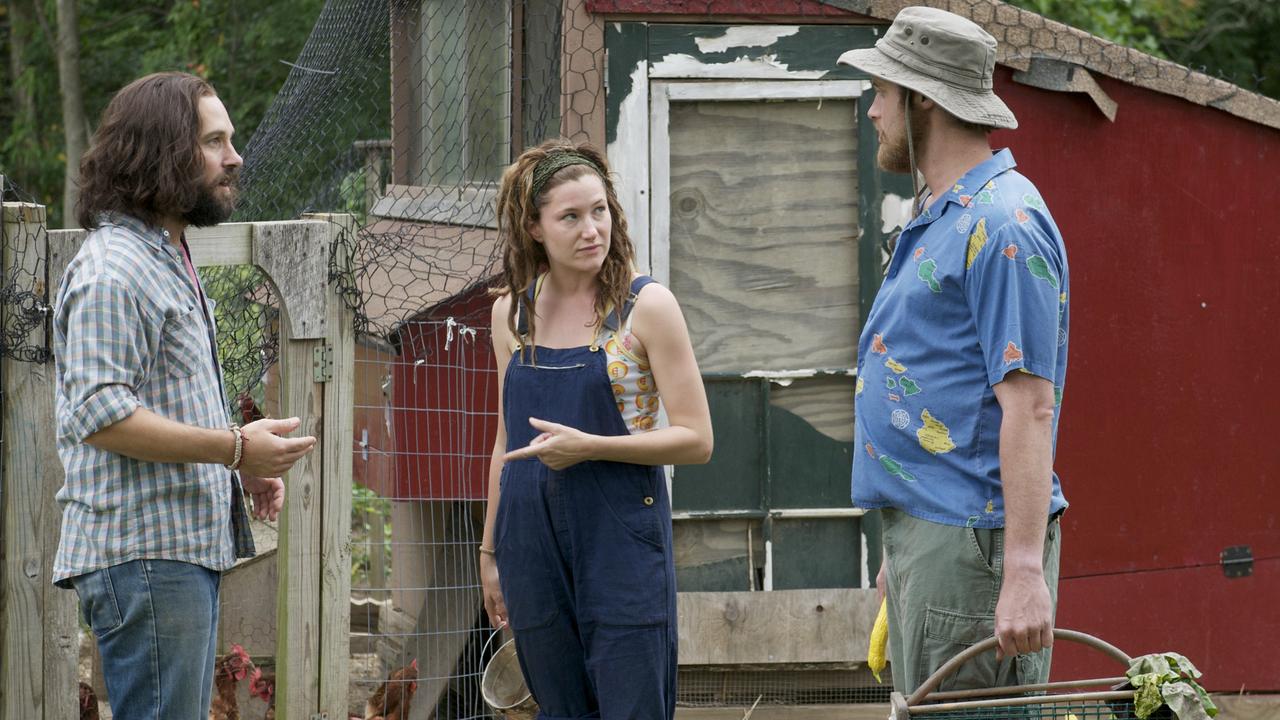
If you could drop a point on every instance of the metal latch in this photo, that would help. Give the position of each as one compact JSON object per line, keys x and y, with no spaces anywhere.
{"x":322,"y":363}
{"x":1237,"y":561}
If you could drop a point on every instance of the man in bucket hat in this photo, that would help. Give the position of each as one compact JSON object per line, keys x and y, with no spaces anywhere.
{"x":960,"y":369}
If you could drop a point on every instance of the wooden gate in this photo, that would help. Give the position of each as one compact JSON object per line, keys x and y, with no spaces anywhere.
{"x":39,"y":628}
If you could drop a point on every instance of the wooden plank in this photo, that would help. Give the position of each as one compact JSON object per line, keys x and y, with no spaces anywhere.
{"x":1248,"y":707}
{"x":295,"y":257}
{"x":868,"y":711}
{"x":823,"y":401}
{"x":582,"y":92}
{"x":737,"y":90}
{"x":660,"y":183}
{"x":30,"y":467}
{"x":783,"y":626}
{"x":225,"y":244}
{"x":628,"y":147}
{"x":405,"y":76}
{"x":772,"y":52}
{"x":762,"y":250}
{"x":246,"y":605}
{"x":62,"y":626}
{"x":335,"y":547}
{"x":717,"y":555}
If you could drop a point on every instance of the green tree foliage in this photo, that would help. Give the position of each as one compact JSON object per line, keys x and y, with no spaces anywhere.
{"x":1230,"y":39}
{"x":238,"y":46}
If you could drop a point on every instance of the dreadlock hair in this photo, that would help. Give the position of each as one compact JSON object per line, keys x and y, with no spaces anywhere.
{"x":519,"y":209}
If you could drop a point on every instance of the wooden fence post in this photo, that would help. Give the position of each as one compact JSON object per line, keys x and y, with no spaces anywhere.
{"x":316,"y":355}
{"x":38,"y":651}
{"x":339,"y":429}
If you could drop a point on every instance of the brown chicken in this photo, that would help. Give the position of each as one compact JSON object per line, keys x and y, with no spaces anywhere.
{"x":228,"y":671}
{"x":391,"y":700}
{"x":264,"y":686}
{"x":249,"y":411}
{"x":88,"y":702}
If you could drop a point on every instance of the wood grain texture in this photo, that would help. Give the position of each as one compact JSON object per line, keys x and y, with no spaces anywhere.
{"x":335,"y":542}
{"x":782,"y":626}
{"x":37,"y":637}
{"x":824,"y":401}
{"x":247,"y":603}
{"x":295,"y":258}
{"x":61,"y":625}
{"x":225,"y":244}
{"x":717,"y":554}
{"x":1248,"y":707}
{"x":763,"y":206}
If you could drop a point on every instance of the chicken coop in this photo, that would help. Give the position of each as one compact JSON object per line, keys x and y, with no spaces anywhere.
{"x":720,"y":119}
{"x":746,"y":168}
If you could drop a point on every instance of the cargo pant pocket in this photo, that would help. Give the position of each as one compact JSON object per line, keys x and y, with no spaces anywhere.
{"x":948,"y":633}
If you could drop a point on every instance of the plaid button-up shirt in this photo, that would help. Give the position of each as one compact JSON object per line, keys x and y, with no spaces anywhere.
{"x":130,"y":332}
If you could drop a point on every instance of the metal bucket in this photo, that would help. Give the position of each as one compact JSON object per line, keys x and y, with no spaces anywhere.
{"x":502,"y":686}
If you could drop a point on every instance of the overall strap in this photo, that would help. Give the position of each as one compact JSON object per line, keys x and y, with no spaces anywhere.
{"x":525,"y":301}
{"x":616,"y":320}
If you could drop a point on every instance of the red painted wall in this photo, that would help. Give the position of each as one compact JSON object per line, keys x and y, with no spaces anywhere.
{"x":1166,"y":447}
{"x":445,"y":404}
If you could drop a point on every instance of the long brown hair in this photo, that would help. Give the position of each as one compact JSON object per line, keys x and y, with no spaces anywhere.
{"x":145,"y":158}
{"x":523,"y":257}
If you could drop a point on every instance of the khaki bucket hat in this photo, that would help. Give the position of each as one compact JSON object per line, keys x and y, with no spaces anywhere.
{"x":944,"y":57}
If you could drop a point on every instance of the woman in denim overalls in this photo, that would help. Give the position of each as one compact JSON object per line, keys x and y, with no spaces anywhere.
{"x":576,"y":555}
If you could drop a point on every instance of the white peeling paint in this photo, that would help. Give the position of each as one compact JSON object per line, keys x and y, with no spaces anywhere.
{"x":680,"y":65}
{"x":866,"y":562}
{"x":629,"y":157}
{"x":744,"y":36}
{"x":768,"y":565}
{"x":784,"y":377}
{"x":895,"y":212}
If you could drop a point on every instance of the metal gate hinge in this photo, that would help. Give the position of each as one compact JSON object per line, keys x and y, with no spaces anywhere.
{"x":322,"y":363}
{"x":1237,"y":561}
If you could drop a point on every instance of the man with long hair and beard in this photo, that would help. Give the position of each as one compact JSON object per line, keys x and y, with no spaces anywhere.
{"x":961,"y":365}
{"x":156,"y":473}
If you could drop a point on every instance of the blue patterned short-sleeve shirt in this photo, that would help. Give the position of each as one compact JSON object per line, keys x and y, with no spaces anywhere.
{"x":976,"y":288}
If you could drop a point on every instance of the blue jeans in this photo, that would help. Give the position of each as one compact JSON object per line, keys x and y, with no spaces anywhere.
{"x":156,"y":623}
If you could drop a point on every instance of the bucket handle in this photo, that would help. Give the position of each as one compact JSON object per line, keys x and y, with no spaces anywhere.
{"x":990,"y":643}
{"x":492,"y":635}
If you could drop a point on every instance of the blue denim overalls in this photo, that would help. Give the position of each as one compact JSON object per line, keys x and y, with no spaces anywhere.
{"x":584,"y":553}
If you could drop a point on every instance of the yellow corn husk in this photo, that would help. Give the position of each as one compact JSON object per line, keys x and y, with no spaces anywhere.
{"x":876,"y":659}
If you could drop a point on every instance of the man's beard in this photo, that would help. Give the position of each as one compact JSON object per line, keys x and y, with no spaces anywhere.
{"x":894,"y":156}
{"x":209,"y":210}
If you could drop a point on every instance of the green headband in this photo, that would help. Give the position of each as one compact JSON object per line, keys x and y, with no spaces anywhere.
{"x":555,"y":162}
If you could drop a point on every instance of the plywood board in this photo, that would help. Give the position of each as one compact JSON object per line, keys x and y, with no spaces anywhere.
{"x":823,"y":401}
{"x":717,"y":555}
{"x":763,"y":231}
{"x":782,"y":626}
